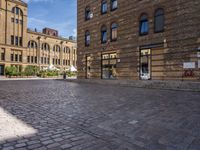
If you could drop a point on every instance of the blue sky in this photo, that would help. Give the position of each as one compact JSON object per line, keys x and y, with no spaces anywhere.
{"x":56,"y":14}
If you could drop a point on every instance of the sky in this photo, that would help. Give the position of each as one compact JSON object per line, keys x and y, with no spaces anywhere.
{"x":56,"y":14}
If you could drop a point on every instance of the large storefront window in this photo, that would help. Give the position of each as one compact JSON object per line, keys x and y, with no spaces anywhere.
{"x":109,"y":62}
{"x":145,"y":64}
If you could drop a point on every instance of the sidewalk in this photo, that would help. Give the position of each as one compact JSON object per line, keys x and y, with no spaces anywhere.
{"x":151,"y":84}
{"x":34,"y":78}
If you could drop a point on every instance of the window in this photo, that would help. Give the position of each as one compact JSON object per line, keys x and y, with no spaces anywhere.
{"x":17,"y":21}
{"x":109,"y":64}
{"x":32,"y":59}
{"x":3,"y":56}
{"x":104,"y":6}
{"x":53,"y":61}
{"x":56,"y":48}
{"x":20,"y":58}
{"x":32,"y":44}
{"x":103,"y":34}
{"x":12,"y":57}
{"x":144,"y":25}
{"x":159,"y":20}
{"x":45,"y":47}
{"x":12,"y":40}
{"x":114,"y":32}
{"x":20,"y":41}
{"x":16,"y":57}
{"x":17,"y":11}
{"x":87,"y":38}
{"x":42,"y":60}
{"x":113,"y":4}
{"x":35,"y":59}
{"x":16,"y":41}
{"x":88,"y":13}
{"x":12,"y":20}
{"x":56,"y":61}
{"x":28,"y":59}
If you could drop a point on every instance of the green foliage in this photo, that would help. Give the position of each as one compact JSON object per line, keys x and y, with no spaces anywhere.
{"x":47,"y":73}
{"x":30,"y":70}
{"x":71,"y":74}
{"x":11,"y":71}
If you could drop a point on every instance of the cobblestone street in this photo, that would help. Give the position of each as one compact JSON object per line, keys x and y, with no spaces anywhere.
{"x":52,"y":114}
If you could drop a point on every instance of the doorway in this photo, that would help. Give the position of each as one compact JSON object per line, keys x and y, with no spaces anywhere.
{"x":2,"y":70}
{"x":88,"y":67}
{"x":109,"y":64}
{"x":145,"y":64}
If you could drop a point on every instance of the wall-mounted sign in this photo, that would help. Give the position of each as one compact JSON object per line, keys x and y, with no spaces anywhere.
{"x":189,"y":65}
{"x":198,"y":63}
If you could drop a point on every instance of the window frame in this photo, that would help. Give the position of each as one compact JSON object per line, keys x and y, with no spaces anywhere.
{"x":112,"y":29}
{"x":104,"y":2}
{"x":87,"y":13}
{"x":87,"y":34}
{"x":111,"y":5}
{"x":141,"y":21}
{"x":155,"y":17}
{"x":104,"y":30}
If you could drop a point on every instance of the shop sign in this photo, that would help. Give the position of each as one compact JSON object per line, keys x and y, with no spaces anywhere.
{"x":189,"y":65}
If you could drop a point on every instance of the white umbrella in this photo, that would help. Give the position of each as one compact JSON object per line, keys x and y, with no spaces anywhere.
{"x":73,"y":69}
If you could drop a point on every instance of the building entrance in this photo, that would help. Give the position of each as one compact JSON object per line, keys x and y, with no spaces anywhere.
{"x":88,"y":67}
{"x":145,"y":64}
{"x":1,"y":70}
{"x":109,"y":62}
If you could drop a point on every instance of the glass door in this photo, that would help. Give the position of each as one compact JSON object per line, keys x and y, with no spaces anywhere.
{"x":1,"y":69}
{"x":145,"y":64}
{"x":109,"y":62}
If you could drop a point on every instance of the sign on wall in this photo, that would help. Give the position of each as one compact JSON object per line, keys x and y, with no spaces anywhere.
{"x":198,"y":63}
{"x":189,"y":65}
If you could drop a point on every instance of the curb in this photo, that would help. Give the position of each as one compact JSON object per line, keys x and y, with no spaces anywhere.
{"x":164,"y":85}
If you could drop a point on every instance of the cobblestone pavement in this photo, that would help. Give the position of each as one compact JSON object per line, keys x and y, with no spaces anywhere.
{"x":61,"y":115}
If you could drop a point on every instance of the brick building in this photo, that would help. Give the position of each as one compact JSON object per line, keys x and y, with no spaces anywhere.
{"x":21,"y":47}
{"x":139,"y":39}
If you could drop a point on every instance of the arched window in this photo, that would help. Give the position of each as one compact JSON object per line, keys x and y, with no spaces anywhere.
{"x":66,"y":49}
{"x":32,"y":44}
{"x":113,"y":4}
{"x":104,"y":6}
{"x":88,"y":13}
{"x":159,"y":20}
{"x":144,"y":24}
{"x":87,"y":38}
{"x":103,"y":34}
{"x":17,"y":11}
{"x":56,"y":48}
{"x":45,"y":47}
{"x":114,"y":31}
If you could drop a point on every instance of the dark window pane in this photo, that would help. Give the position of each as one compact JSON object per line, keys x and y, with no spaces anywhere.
{"x":104,"y":7}
{"x":16,"y":57}
{"x":159,"y":20}
{"x":114,"y":4}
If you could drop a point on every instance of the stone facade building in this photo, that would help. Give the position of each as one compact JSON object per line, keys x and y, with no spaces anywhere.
{"x":21,"y":47}
{"x":139,"y":39}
